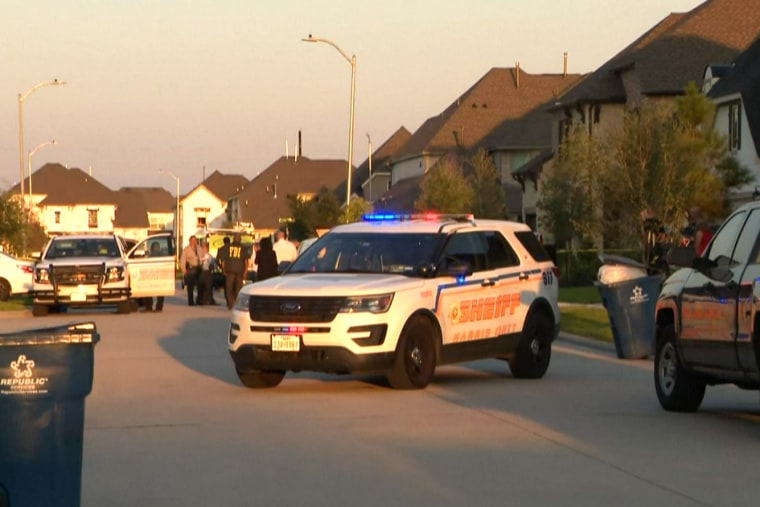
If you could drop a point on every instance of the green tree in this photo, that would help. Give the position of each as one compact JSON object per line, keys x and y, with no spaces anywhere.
{"x":445,"y":189}
{"x":321,"y":211}
{"x":488,"y":194}
{"x":570,"y":189}
{"x":357,"y":207}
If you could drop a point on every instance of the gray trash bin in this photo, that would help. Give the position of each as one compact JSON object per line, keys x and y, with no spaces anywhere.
{"x":630,"y":306}
{"x":45,"y":375}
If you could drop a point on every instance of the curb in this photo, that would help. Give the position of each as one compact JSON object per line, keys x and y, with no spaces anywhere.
{"x":589,"y":343}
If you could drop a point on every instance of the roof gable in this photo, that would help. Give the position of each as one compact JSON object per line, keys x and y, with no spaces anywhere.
{"x":223,"y":186}
{"x":63,"y":186}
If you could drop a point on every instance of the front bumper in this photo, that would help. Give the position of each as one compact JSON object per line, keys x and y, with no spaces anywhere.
{"x":80,"y":295}
{"x":322,"y":359}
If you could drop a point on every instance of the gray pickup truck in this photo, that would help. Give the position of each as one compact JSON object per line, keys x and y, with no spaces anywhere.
{"x":708,"y":324}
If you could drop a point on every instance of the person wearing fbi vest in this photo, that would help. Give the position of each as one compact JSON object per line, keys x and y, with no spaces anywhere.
{"x":235,"y":264}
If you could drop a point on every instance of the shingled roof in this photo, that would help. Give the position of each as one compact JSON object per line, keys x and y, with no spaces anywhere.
{"x":498,"y":96}
{"x":674,"y":52}
{"x":225,"y":186}
{"x":264,"y":200}
{"x":64,"y":187}
{"x":134,"y":203}
{"x":744,"y":79}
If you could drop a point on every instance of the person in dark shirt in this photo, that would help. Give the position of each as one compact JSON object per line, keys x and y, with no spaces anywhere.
{"x":266,"y":260}
{"x":234,"y":267}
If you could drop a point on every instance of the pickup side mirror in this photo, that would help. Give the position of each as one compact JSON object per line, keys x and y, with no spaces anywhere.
{"x":683,"y":257}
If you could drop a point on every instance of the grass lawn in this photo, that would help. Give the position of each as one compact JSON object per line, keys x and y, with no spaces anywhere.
{"x":14,"y":303}
{"x":581,"y":320}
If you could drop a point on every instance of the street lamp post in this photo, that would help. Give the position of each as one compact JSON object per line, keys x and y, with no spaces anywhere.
{"x":21,"y":98}
{"x":176,"y":216}
{"x":369,"y":161}
{"x":352,"y":61}
{"x":29,"y":159}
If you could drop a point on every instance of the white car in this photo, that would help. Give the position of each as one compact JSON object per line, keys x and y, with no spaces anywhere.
{"x":400,"y":295}
{"x":15,"y":276}
{"x":93,"y":269}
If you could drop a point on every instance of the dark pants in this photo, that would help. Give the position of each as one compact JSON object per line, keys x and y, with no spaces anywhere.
{"x":191,"y":280}
{"x":205,"y":289}
{"x":232,"y":284}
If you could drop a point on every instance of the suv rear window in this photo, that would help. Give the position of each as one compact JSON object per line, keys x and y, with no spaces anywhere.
{"x":533,"y":246}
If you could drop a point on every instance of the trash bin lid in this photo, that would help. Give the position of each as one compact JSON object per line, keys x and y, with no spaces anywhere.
{"x":608,"y":259}
{"x":83,"y":332}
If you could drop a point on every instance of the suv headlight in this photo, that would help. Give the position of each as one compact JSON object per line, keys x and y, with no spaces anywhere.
{"x":371,"y":304}
{"x":242,"y":302}
{"x":115,"y":274}
{"x":41,"y":275}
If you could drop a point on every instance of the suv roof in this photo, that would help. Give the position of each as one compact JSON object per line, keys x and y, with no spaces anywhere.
{"x":425,"y":223}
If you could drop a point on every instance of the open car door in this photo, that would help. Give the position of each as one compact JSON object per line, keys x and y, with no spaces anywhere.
{"x":151,"y":265}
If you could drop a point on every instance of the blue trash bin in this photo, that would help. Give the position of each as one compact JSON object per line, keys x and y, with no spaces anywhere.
{"x":630,"y":306}
{"x":45,"y":374}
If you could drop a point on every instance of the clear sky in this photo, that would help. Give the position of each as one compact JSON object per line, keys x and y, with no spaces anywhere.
{"x":225,"y":84}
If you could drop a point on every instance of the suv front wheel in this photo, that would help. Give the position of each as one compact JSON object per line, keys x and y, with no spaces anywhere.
{"x":677,"y":389}
{"x":534,"y":351}
{"x":414,"y":365}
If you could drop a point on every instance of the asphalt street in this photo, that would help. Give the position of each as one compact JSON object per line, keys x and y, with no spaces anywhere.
{"x":168,"y":424}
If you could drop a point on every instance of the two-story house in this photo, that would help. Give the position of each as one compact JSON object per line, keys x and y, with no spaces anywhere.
{"x":475,"y":119}
{"x":737,"y":98}
{"x":205,"y":206}
{"x":263,"y":205}
{"x":70,"y":200}
{"x":658,"y":65}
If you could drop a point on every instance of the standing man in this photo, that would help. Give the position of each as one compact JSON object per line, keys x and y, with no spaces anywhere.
{"x":284,"y":249}
{"x":221,"y":259}
{"x":235,"y":265}
{"x":205,"y":289}
{"x":189,"y":263}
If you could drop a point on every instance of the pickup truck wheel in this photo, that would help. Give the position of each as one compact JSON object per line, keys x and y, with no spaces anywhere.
{"x":531,"y":359}
{"x":414,"y":364}
{"x":257,"y":379}
{"x":5,"y":290}
{"x":39,"y":310}
{"x":677,"y":390}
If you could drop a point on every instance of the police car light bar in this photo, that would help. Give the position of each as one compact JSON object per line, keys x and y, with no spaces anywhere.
{"x":404,"y":217}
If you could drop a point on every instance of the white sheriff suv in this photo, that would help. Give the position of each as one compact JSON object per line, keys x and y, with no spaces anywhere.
{"x":86,"y":270}
{"x":399,"y":295}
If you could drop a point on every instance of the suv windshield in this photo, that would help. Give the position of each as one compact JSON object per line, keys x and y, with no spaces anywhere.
{"x":82,"y":247}
{"x":399,"y":253}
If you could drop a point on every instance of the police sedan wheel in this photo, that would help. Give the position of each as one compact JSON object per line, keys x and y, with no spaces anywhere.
{"x":677,"y":389}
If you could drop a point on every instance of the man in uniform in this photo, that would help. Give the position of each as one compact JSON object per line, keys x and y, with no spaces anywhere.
{"x":235,"y":264}
{"x":284,"y":249}
{"x":189,"y":263}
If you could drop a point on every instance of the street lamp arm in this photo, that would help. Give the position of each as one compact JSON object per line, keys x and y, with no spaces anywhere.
{"x":319,"y":39}
{"x":41,"y":145}
{"x":54,"y":82}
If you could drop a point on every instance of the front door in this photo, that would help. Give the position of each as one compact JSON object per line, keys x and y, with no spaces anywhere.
{"x":152,"y":269}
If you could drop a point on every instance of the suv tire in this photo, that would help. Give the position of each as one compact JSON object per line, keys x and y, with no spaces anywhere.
{"x":256,"y":379}
{"x":5,"y":290}
{"x":534,"y":351}
{"x":39,"y":310}
{"x":414,"y":364}
{"x":677,"y":390}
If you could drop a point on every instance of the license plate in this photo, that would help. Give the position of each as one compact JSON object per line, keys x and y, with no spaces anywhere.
{"x":78,"y":296}
{"x":286,"y":343}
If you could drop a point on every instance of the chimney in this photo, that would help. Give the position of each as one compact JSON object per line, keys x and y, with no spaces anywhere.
{"x":287,"y":153}
{"x":564,"y":70}
{"x":300,"y":151}
{"x":517,"y":75}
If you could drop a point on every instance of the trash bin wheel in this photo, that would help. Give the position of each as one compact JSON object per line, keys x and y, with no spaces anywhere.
{"x":677,"y":389}
{"x":40,"y":310}
{"x":534,"y":351}
{"x":257,"y":379}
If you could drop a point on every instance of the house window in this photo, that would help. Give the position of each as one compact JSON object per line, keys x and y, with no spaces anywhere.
{"x":735,"y":126}
{"x":57,"y":215}
{"x":201,"y":221}
{"x":157,"y":223}
{"x":92,"y":218}
{"x":200,"y":216}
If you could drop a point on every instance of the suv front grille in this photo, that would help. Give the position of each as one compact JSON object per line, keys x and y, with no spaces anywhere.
{"x":294,"y":309}
{"x":76,"y":275}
